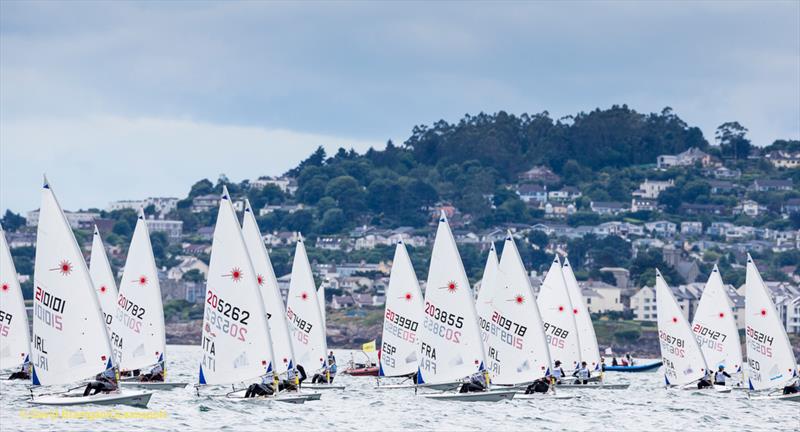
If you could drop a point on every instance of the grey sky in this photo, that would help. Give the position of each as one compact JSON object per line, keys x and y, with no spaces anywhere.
{"x":127,"y":100}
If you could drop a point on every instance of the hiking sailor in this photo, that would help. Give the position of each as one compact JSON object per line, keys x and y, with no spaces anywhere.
{"x":582,"y":374}
{"x":264,"y":388}
{"x":720,"y":375}
{"x":104,"y":382}
{"x":476,"y":383}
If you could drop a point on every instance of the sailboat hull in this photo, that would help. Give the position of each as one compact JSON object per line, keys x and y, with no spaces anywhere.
{"x":136,"y":399}
{"x":152,"y":385}
{"x":650,"y":367}
{"x":314,"y":386}
{"x":594,"y":386}
{"x":489,"y":396}
{"x":544,"y":396}
{"x":449,"y":386}
{"x":794,"y":397}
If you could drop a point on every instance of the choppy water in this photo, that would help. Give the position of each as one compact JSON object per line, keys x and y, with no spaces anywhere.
{"x":646,"y":405}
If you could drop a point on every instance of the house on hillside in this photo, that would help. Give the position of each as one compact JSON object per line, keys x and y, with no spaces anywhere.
{"x":607,"y":207}
{"x":643,"y":204}
{"x":652,"y":189}
{"x":686,"y":158}
{"x":766,"y":185}
{"x":540,"y":174}
{"x":601,"y":297}
{"x":532,"y":193}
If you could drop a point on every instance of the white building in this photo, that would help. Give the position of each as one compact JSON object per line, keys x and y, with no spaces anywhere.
{"x":163,"y":205}
{"x":76,"y":220}
{"x":651,"y":189}
{"x":601,"y":297}
{"x":692,"y":228}
{"x":285,"y":184}
{"x":188,"y":263}
{"x":662,"y":228}
{"x":173,"y":228}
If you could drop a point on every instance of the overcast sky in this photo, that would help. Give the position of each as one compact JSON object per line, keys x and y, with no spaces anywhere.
{"x":121,"y":100}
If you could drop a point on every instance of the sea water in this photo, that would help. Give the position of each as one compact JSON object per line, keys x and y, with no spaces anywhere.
{"x":645,"y":406}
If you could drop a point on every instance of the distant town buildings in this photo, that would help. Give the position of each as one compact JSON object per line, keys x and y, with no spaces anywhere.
{"x":688,"y":157}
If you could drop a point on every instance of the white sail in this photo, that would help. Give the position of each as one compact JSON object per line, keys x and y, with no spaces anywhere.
{"x":401,"y":319}
{"x":236,"y":342}
{"x":302,"y":311}
{"x":70,"y":341}
{"x":321,"y":300}
{"x":714,"y":326}
{"x":451,"y":346}
{"x":516,"y":345}
{"x":15,"y":343}
{"x":138,"y":336}
{"x":273,"y":303}
{"x":770,"y":359}
{"x":558,"y":319}
{"x":683,"y":361}
{"x":103,"y":279}
{"x":483,"y":304}
{"x":587,"y":340}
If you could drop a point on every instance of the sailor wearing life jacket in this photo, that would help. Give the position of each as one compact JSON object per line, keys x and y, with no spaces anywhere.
{"x":582,"y":374}
{"x":558,"y":372}
{"x":720,"y":375}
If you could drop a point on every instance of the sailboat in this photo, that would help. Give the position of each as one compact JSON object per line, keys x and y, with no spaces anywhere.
{"x":236,"y":341}
{"x":770,"y":359}
{"x":271,"y":295}
{"x":138,"y":332}
{"x":558,"y":319}
{"x":514,"y":329}
{"x":15,"y":343}
{"x":510,"y":322}
{"x":451,"y":346}
{"x":103,"y":279}
{"x":684,"y":364}
{"x":715,"y":329}
{"x":309,"y":337}
{"x":401,"y":320}
{"x":587,"y":340}
{"x":70,"y":341}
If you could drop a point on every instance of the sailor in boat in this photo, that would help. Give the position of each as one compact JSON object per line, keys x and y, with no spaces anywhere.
{"x":720,"y":375}
{"x":156,"y":374}
{"x":558,"y":373}
{"x":475,"y":383}
{"x":628,"y":359}
{"x":614,"y":361}
{"x":302,"y":372}
{"x":540,"y":385}
{"x":328,"y":372}
{"x":582,"y":374}
{"x":24,"y":372}
{"x":264,"y":388}
{"x":290,"y":382}
{"x":705,"y":382}
{"x":105,"y":382}
{"x":792,"y":388}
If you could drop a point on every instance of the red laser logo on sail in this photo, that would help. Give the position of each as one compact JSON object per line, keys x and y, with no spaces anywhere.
{"x":304,"y":296}
{"x":235,"y":274}
{"x":260,"y":280}
{"x":519,"y":299}
{"x":408,"y":296}
{"x":5,"y":287}
{"x":142,"y":280}
{"x":65,"y":268}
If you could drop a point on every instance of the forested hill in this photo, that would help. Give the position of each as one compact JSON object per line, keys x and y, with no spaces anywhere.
{"x":615,"y":137}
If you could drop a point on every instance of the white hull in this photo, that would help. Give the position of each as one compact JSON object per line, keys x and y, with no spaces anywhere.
{"x":291,"y":397}
{"x":488,"y":396}
{"x":132,"y":398}
{"x":451,"y":386}
{"x":594,"y":386}
{"x":314,"y":386}
{"x":544,"y":396}
{"x":152,"y":385}
{"x":794,"y":397}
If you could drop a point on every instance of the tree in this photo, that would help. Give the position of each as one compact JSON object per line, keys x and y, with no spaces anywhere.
{"x":333,"y":221}
{"x":539,"y":238}
{"x":12,"y":221}
{"x":203,"y":187}
{"x":732,"y":140}
{"x":348,"y":194}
